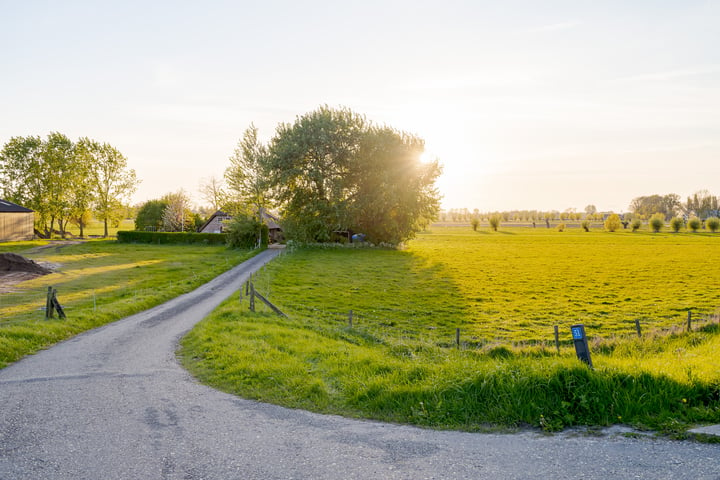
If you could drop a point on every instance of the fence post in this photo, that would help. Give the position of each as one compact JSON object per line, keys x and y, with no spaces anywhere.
{"x":350,"y":319}
{"x":49,"y":304}
{"x":557,"y":339}
{"x":457,"y":338}
{"x":252,"y":298}
{"x":689,"y":321}
{"x":637,"y":327}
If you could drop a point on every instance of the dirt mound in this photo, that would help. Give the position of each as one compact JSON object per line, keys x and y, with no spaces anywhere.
{"x":12,"y":262}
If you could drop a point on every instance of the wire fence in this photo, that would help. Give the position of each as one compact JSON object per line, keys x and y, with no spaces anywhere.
{"x":383,"y":324}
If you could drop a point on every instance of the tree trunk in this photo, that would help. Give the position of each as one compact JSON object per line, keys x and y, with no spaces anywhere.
{"x":105,"y":235}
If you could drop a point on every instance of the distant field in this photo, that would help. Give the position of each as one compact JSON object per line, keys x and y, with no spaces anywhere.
{"x":517,"y":283}
{"x":505,"y":290}
{"x":96,"y":228}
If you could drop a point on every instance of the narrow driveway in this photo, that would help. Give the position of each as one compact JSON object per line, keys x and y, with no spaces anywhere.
{"x":114,"y":403}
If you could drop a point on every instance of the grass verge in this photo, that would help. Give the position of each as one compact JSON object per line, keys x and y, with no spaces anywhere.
{"x":398,"y":361}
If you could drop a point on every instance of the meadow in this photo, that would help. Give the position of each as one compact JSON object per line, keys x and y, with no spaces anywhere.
{"x":505,"y":291}
{"x":99,"y":281}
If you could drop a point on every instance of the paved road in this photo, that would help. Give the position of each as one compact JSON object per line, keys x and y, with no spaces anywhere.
{"x":114,"y":404}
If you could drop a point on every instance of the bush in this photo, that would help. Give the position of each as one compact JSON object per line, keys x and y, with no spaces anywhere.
{"x":713,"y":223}
{"x":694,"y":224}
{"x":243,"y":232}
{"x":676,"y":223}
{"x":171,"y":237}
{"x":657,"y":222}
{"x":612,"y":223}
{"x":475,"y":224}
{"x":560,"y":227}
{"x":585,"y":225}
{"x":494,"y":221}
{"x":636,"y":224}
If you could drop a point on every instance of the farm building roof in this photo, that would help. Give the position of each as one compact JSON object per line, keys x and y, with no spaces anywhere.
{"x":6,"y":206}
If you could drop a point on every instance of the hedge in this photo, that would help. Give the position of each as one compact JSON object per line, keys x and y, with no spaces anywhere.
{"x":171,"y":237}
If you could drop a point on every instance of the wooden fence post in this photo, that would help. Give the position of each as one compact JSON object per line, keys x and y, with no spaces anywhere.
{"x":637,"y":327}
{"x":252,"y":297}
{"x":557,"y":339}
{"x":457,"y":338}
{"x":56,"y":304}
{"x":689,"y":321}
{"x":49,"y":304}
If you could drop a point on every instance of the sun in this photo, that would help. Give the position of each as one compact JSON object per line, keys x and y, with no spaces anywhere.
{"x":427,"y":157}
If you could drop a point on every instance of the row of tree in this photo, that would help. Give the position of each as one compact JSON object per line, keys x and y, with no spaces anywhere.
{"x":331,"y":173}
{"x":65,"y":181}
{"x":702,"y":204}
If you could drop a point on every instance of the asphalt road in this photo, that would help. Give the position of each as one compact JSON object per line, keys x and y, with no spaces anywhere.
{"x":114,"y":403}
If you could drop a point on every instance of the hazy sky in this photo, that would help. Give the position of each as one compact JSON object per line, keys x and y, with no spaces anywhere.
{"x":528,"y":104}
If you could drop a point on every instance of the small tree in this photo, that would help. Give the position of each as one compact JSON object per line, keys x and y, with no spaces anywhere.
{"x":177,"y":216}
{"x":585,"y":225}
{"x":560,"y":227}
{"x":475,"y":222}
{"x":612,"y":223}
{"x":657,"y":222}
{"x":694,"y":224}
{"x":150,"y":215}
{"x":636,"y":224}
{"x":494,"y":221}
{"x":713,"y":223}
{"x":676,"y":223}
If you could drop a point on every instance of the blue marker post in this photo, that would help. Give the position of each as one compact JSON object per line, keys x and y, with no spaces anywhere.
{"x":581,"y":344}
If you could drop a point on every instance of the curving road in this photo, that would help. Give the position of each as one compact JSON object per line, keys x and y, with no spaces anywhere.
{"x":114,"y":403}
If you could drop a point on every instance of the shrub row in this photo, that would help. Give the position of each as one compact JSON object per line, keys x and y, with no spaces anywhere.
{"x":172,"y":237}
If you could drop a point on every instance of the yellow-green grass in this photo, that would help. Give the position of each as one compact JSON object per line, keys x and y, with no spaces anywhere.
{"x":505,"y":290}
{"x":99,"y":281}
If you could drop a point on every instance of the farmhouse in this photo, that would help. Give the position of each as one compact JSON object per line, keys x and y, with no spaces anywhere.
{"x":215,"y":224}
{"x":16,"y":222}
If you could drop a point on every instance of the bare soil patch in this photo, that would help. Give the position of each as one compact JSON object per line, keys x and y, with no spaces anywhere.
{"x":15,"y":268}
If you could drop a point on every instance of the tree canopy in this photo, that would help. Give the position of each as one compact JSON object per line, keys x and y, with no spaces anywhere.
{"x":62,"y":180}
{"x":333,"y":171}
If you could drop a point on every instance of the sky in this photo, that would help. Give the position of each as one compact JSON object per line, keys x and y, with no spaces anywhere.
{"x":545,"y":105}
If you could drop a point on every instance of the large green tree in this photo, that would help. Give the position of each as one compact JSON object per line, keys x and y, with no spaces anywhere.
{"x":332,"y":170}
{"x":111,"y":179}
{"x":392,"y":193}
{"x":245,"y":176}
{"x":82,"y":195}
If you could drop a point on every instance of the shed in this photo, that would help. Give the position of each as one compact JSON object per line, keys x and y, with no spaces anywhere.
{"x":16,"y":223}
{"x":215,"y":224}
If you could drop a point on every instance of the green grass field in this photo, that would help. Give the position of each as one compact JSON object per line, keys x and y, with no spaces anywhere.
{"x":99,"y":281}
{"x":505,"y":291}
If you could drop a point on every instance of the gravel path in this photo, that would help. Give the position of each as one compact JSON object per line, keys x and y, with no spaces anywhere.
{"x":115,"y":404}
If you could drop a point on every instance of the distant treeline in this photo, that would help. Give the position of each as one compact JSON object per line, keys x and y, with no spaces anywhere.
{"x":702,"y":204}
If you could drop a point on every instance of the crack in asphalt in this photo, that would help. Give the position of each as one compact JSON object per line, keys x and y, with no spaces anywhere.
{"x":114,"y":403}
